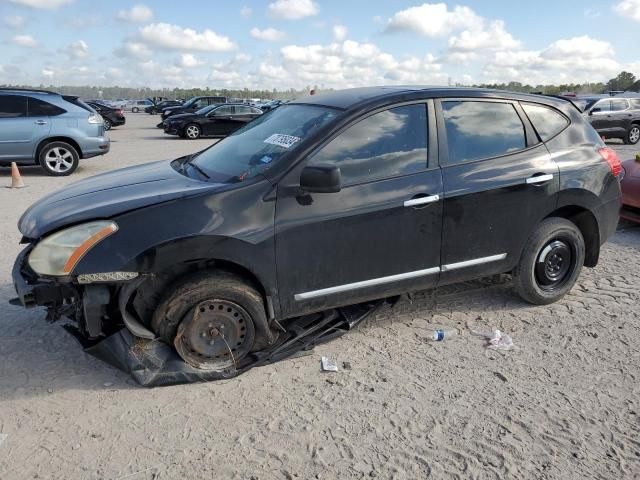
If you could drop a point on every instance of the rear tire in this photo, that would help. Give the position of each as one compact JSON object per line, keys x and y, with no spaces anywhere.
{"x":550,"y":262}
{"x":135,"y":109}
{"x":633,"y":135}
{"x":58,"y":159}
{"x":213,"y":319}
{"x":107,"y":124}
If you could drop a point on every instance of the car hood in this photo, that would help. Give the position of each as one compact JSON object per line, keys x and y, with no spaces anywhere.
{"x":107,"y":195}
{"x":181,"y":116}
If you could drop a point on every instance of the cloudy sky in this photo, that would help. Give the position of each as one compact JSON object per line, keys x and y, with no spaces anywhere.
{"x":331,"y":43}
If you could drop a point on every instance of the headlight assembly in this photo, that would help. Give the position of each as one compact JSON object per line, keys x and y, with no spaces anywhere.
{"x":58,"y":254}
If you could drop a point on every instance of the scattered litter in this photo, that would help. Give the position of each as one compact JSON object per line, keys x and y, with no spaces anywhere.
{"x":496,"y":340}
{"x":49,"y":390}
{"x":107,"y":384}
{"x":328,"y":365}
{"x":346,"y":365}
{"x":500,"y":376}
{"x":3,"y":437}
{"x":444,"y":334}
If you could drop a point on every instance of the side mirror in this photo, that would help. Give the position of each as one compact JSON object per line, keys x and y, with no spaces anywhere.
{"x":321,"y":179}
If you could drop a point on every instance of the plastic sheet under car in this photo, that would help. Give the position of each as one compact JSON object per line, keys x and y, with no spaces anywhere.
{"x":153,"y":363}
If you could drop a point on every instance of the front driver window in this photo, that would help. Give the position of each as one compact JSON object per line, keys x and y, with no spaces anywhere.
{"x":387,"y":144}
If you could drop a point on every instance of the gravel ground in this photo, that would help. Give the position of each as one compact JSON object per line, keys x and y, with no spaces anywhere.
{"x":563,"y":405}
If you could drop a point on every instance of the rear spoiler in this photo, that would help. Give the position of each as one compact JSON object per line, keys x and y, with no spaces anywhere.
{"x":567,"y":99}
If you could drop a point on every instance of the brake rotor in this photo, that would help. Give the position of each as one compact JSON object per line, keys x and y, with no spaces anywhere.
{"x":216,"y":336}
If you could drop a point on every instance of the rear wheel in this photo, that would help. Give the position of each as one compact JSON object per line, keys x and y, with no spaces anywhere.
{"x":192,"y":131}
{"x":135,"y":109}
{"x":58,"y":159}
{"x":633,"y":135}
{"x":550,"y":263}
{"x":107,"y":124}
{"x":213,"y":319}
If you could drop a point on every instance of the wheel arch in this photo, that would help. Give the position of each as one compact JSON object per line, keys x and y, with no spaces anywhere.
{"x":48,"y":140}
{"x":587,"y":223}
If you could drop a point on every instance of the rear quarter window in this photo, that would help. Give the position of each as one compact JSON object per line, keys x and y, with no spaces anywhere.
{"x":547,"y":121}
{"x":40,"y":108}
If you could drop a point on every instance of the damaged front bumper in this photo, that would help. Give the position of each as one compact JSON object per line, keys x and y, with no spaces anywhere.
{"x":99,"y":307}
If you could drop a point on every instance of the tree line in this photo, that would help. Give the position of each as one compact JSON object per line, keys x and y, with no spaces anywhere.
{"x":624,"y":81}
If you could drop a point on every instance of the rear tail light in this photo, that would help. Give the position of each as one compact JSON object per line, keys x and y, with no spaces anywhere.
{"x":612,"y":159}
{"x":120,"y":112}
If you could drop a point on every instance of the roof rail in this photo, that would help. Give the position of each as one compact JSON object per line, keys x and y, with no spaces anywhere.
{"x":36,"y":90}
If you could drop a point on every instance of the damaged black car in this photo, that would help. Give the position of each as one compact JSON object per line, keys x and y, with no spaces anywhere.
{"x":327,"y":201}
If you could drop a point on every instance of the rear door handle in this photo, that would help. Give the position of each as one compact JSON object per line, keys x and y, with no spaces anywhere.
{"x":40,"y":122}
{"x":414,"y":202}
{"x":537,"y":179}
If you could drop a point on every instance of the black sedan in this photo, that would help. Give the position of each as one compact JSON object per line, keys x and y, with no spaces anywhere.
{"x":212,"y":121}
{"x":112,"y":117}
{"x":158,"y":107}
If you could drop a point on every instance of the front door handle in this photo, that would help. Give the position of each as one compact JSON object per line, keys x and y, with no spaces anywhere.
{"x":40,"y":122}
{"x":414,"y":202}
{"x":538,"y":179}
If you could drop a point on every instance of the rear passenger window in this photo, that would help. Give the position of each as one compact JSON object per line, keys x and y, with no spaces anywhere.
{"x":547,"y":121}
{"x":477,"y":130}
{"x":635,"y":103}
{"x":387,"y":144}
{"x":618,"y":105}
{"x":12,"y":106}
{"x":40,"y":108}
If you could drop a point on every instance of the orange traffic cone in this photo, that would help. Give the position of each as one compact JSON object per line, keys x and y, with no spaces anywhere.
{"x":16,"y":179}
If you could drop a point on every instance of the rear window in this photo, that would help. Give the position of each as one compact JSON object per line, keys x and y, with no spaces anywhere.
{"x":547,"y":121}
{"x":77,"y":102}
{"x":13,"y":106}
{"x":477,"y":130}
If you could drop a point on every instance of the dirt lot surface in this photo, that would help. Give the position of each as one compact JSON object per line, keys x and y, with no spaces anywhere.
{"x":564,"y":405}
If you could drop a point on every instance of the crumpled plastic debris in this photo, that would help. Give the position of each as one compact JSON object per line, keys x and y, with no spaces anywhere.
{"x":496,"y":340}
{"x":328,"y":365}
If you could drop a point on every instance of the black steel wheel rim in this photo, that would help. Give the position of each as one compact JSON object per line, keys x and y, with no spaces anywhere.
{"x":215,"y":335}
{"x":555,"y":264}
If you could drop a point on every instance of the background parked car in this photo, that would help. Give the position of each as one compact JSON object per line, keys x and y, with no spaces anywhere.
{"x":136,"y":106}
{"x":613,"y":117}
{"x":211,"y":121}
{"x":112,"y":117}
{"x":631,"y":190}
{"x":56,"y":131}
{"x":158,"y":107}
{"x":192,"y":105}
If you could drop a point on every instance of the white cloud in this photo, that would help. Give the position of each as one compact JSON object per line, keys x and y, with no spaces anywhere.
{"x":246,"y":12}
{"x":339,"y":32}
{"x":14,"y":21}
{"x":43,"y":4}
{"x":434,"y":20}
{"x":293,"y":9}
{"x":268,"y":34}
{"x":25,"y":41}
{"x":495,"y":37}
{"x":572,"y":60}
{"x":137,"y":14}
{"x":132,"y":49}
{"x":173,"y":37}
{"x":189,"y":60}
{"x":78,"y":49}
{"x":629,"y":9}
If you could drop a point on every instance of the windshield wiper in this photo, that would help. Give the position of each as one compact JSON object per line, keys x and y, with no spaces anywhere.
{"x":189,"y":161}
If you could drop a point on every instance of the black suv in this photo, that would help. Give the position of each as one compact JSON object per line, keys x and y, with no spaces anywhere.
{"x":613,"y":117}
{"x":330,"y":200}
{"x":190,"y":106}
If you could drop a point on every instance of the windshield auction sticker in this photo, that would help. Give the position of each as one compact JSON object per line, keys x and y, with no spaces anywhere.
{"x":284,"y":141}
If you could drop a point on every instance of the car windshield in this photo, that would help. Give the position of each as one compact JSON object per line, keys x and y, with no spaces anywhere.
{"x":205,"y":110}
{"x":260,"y":144}
{"x":189,"y":102}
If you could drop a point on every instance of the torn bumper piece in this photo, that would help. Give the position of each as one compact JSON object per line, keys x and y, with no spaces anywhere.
{"x":153,"y":363}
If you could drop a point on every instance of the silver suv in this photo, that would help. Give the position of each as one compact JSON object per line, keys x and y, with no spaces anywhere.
{"x":56,"y":131}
